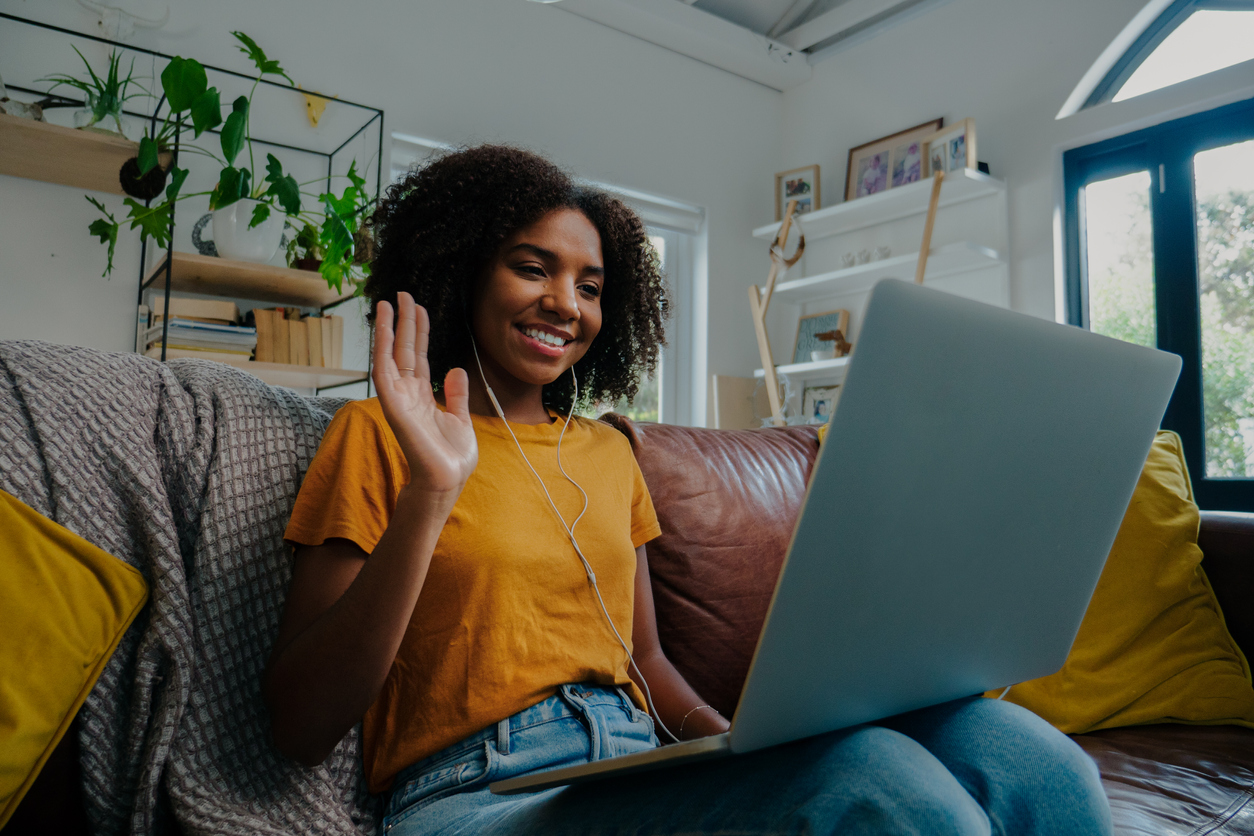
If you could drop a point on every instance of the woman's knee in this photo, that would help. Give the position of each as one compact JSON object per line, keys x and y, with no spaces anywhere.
{"x":1028,"y":776}
{"x":882,"y":782}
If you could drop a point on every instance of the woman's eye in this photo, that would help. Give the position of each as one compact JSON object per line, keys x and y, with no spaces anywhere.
{"x":590,"y":290}
{"x":531,"y":269}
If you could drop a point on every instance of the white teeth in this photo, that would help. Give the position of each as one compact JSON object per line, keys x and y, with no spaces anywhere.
{"x":544,"y":337}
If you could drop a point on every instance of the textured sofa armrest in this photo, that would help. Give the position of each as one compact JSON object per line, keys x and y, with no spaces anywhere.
{"x":1227,"y":542}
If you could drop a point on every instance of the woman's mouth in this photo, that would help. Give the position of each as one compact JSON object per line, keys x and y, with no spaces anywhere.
{"x":551,"y":345}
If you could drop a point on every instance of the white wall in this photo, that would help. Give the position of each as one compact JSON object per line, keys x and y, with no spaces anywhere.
{"x":607,"y":106}
{"x":1010,"y":64}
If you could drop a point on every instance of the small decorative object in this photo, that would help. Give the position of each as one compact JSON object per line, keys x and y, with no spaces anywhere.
{"x":314,"y":106}
{"x":810,"y":327}
{"x":882,"y":252}
{"x":864,"y":256}
{"x":951,"y":149}
{"x":304,"y":251}
{"x":22,"y":110}
{"x":848,"y":260}
{"x":818,"y":402}
{"x":202,"y":246}
{"x":888,"y":162}
{"x":801,"y":185}
{"x":840,"y":346}
{"x":103,"y":97}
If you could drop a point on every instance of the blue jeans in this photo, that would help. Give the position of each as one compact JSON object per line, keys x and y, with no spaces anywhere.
{"x":973,"y":766}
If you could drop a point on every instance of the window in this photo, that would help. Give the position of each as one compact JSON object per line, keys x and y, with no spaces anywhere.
{"x":1168,"y":42}
{"x":1160,"y":251}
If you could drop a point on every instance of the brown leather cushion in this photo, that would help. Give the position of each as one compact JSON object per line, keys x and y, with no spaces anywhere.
{"x":727,"y":501}
{"x":1177,"y":779}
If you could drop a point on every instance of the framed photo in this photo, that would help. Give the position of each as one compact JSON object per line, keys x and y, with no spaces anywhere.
{"x":951,"y":149}
{"x":889,"y":161}
{"x":814,"y":324}
{"x":800,"y":184}
{"x":818,"y":402}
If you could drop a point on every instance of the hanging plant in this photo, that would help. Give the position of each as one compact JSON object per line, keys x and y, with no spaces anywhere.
{"x":103,"y":97}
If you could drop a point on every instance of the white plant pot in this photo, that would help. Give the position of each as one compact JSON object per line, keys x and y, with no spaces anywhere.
{"x":235,"y":240}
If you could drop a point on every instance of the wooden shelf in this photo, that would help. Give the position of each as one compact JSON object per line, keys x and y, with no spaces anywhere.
{"x":951,"y":259}
{"x":892,"y":205}
{"x":280,"y":374}
{"x":55,"y":154}
{"x":820,"y":368}
{"x":193,"y":273}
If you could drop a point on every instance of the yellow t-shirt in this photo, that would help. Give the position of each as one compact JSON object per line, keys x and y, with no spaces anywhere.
{"x":506,"y":613}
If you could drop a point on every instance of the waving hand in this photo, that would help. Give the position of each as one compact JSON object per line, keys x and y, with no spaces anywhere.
{"x":439,"y":445}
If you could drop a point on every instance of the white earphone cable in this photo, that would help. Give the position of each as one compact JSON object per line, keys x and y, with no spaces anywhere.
{"x":570,"y":529}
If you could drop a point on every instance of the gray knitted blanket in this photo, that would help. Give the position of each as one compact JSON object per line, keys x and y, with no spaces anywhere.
{"x":187,"y":471}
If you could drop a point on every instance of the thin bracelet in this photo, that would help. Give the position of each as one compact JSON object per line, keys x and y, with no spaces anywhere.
{"x":686,"y":716}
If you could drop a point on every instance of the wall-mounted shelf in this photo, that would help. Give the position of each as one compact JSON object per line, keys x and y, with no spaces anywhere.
{"x":278,"y":374}
{"x":56,"y":154}
{"x":819,"y":368}
{"x":951,"y":259}
{"x":193,"y":273}
{"x":892,"y":205}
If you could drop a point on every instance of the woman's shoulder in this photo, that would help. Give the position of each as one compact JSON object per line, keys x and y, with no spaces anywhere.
{"x":604,"y":434}
{"x":358,"y":419}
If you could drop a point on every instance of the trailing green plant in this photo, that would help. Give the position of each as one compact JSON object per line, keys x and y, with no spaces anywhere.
{"x":335,"y":234}
{"x":103,"y":96}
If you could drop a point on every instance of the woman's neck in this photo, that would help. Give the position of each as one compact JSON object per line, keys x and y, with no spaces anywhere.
{"x":521,"y":404}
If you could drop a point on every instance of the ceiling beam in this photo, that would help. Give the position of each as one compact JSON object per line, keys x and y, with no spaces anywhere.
{"x":846,"y":16}
{"x":700,"y":35}
{"x":788,"y":18}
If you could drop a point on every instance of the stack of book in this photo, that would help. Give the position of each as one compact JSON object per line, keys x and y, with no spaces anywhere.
{"x":198,"y":328}
{"x":285,"y":336}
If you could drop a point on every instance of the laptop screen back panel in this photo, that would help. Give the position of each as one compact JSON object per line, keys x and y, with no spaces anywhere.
{"x":976,"y":472}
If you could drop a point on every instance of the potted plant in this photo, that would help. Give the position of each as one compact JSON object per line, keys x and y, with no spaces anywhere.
{"x":103,"y":98}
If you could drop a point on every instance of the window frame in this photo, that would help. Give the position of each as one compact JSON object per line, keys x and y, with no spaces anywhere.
{"x":1149,"y":40}
{"x":1166,"y":151}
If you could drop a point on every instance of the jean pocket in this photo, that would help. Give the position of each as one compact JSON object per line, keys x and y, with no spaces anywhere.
{"x":429,"y":787}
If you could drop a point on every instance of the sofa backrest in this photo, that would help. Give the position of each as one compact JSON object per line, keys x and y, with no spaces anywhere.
{"x":727,"y":501}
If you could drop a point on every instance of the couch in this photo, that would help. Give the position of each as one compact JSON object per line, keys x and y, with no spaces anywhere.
{"x":727,"y":501}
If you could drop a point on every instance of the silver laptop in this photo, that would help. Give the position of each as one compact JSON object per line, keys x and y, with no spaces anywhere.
{"x":977,"y":468}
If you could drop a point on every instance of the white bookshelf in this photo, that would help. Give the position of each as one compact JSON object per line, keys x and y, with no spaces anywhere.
{"x":891,"y":205}
{"x":951,"y":259}
{"x":970,"y":257}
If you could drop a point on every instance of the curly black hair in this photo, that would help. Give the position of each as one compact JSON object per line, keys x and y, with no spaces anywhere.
{"x":438,"y":229}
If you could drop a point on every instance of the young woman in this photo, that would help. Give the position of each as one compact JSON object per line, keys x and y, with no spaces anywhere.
{"x":470,"y":571}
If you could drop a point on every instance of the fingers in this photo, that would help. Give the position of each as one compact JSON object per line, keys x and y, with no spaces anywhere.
{"x":457,"y":393}
{"x":383,"y":369}
{"x":403,"y":353}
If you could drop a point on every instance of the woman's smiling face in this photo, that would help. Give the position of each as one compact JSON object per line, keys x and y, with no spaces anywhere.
{"x":538,"y":307}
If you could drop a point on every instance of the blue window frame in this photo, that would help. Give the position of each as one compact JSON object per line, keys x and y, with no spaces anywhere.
{"x":1166,"y":152}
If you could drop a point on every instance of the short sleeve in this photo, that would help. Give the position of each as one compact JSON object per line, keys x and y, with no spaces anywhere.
{"x":352,"y":484}
{"x":644,"y":524}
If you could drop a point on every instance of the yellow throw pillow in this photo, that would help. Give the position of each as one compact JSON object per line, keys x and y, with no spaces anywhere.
{"x":64,"y":605}
{"x":1153,"y":646}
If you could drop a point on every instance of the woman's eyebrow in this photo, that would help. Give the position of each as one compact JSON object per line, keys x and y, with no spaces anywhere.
{"x":549,"y":255}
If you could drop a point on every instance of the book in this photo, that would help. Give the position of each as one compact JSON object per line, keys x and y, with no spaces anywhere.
{"x":224,"y":336}
{"x":265,"y":334}
{"x":337,"y":342}
{"x":282,"y":345}
{"x":328,"y":354}
{"x":298,"y":342}
{"x":221,"y":357}
{"x":207,"y":345}
{"x":313,"y":334}
{"x":212,"y":309}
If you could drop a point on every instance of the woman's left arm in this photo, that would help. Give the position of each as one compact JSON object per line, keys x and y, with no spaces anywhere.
{"x":672,"y":696}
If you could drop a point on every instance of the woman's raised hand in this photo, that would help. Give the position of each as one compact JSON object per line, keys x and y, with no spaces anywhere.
{"x":439,"y":445}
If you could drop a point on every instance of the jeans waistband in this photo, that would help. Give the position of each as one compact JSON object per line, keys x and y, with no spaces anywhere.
{"x":556,"y":707}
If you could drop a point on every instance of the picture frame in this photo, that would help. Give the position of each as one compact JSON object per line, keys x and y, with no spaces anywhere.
{"x":893,"y":160}
{"x":951,"y":149}
{"x":818,"y":323}
{"x":800,"y":183}
{"x":818,"y":403}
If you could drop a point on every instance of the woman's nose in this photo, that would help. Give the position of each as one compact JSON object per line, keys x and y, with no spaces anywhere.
{"x":561,"y":299}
